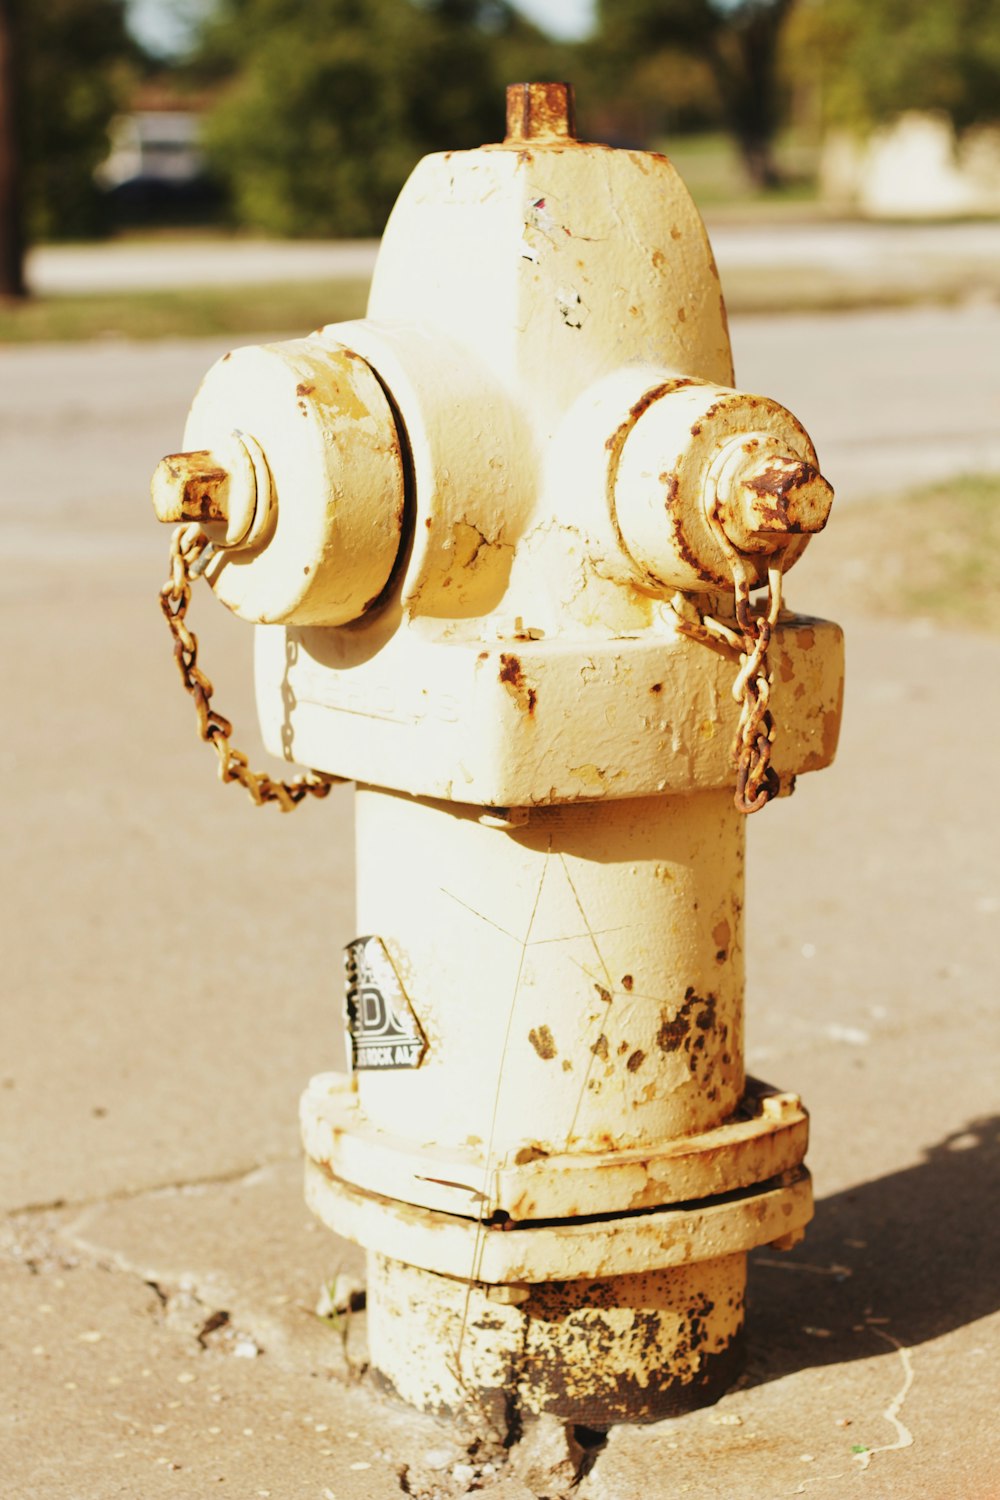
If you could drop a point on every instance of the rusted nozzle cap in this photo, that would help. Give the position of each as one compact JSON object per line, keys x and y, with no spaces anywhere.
{"x":228,"y":490}
{"x":191,"y":487}
{"x":767,"y":496}
{"x":540,"y":112}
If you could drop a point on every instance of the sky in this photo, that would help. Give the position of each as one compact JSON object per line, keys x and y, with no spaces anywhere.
{"x":160,"y":24}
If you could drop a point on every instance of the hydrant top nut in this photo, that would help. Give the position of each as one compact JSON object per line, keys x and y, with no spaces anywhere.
{"x":540,"y":112}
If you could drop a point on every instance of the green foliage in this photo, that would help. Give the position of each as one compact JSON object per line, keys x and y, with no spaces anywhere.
{"x":326,"y":105}
{"x":734,"y":44}
{"x":76,"y":72}
{"x":870,"y":61}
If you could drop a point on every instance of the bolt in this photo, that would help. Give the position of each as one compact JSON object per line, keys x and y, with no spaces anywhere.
{"x":540,"y":112}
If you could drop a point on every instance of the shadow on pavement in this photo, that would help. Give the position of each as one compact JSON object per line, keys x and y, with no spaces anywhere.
{"x":906,"y":1258}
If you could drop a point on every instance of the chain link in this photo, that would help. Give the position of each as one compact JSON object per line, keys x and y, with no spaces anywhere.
{"x":756,"y":780}
{"x":190,"y":552}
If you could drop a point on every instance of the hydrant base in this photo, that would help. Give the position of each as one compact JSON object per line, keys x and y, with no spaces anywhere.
{"x":631,"y":1348}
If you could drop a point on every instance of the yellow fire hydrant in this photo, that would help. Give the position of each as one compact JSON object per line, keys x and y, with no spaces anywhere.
{"x":502,"y":539}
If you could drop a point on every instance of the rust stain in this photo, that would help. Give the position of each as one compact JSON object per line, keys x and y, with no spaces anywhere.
{"x":627,"y":982}
{"x":656,"y":687}
{"x":512,"y":676}
{"x":636,"y":1061}
{"x":616,"y":441}
{"x":658,"y":258}
{"x":600,"y":1048}
{"x":510,"y":671}
{"x":604,"y":993}
{"x":543,"y":1042}
{"x":675,"y":1031}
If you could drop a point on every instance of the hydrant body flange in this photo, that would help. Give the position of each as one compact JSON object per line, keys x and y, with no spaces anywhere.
{"x":460,"y":525}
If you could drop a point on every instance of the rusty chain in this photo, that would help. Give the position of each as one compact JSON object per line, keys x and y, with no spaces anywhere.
{"x":190,"y":552}
{"x":756,"y":780}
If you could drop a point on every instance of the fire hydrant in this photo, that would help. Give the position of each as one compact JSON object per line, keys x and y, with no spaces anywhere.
{"x":501,"y":540}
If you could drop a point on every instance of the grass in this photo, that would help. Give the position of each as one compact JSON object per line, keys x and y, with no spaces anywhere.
{"x":710,"y":166}
{"x":931,"y":553}
{"x":295,"y":307}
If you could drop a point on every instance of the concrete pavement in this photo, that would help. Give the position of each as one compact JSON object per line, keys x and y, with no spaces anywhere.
{"x":172,"y":975}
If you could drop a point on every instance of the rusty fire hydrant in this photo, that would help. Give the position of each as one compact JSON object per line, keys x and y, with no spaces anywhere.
{"x":501,"y":539}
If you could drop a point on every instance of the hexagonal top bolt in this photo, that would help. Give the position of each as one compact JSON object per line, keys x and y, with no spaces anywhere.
{"x":231,"y":489}
{"x":540,"y":112}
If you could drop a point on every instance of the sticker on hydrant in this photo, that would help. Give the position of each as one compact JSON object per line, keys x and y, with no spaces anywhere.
{"x":383,"y":1031}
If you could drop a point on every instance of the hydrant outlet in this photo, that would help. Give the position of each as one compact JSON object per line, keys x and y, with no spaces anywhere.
{"x":308,"y":513}
{"x":692,"y":457}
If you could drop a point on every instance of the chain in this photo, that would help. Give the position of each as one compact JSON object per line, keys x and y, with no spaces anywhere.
{"x":756,"y":780}
{"x":190,"y":552}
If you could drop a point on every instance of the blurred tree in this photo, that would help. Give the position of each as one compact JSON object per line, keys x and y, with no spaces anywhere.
{"x":327,"y":104}
{"x":78,"y":68}
{"x":739,"y":42}
{"x":64,"y":70}
{"x":872,"y":61}
{"x":12,"y":283}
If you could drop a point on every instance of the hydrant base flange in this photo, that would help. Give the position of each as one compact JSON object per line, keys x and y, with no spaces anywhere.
{"x":636,"y":1348}
{"x":501,"y":1252}
{"x":766,"y":1137}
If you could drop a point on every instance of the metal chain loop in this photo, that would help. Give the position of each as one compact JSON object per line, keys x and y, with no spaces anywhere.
{"x":756,"y":780}
{"x":190,"y":552}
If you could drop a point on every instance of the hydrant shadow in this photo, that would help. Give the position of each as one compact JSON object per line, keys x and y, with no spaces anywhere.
{"x":912,"y":1255}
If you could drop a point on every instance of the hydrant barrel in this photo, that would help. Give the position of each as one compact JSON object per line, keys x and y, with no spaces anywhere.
{"x":501,"y":538}
{"x":603,"y":944}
